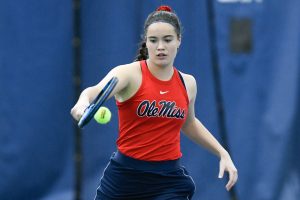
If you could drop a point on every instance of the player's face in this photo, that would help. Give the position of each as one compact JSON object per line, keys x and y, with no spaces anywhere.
{"x":162,"y":43}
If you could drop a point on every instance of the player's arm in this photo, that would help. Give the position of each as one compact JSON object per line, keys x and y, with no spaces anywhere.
{"x":90,"y":93}
{"x":197,"y":132}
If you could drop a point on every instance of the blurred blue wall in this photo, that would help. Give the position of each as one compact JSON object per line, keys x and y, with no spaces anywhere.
{"x":260,"y":90}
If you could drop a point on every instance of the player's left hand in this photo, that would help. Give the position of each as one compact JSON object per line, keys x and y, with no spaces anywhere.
{"x":226,"y":164}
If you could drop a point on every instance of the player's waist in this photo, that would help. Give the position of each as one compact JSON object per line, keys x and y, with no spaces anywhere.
{"x":145,"y":165}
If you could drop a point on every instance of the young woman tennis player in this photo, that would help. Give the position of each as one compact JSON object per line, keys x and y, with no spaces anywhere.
{"x":155,"y":101}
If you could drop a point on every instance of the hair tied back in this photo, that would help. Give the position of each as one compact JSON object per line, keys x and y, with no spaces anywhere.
{"x":164,"y":8}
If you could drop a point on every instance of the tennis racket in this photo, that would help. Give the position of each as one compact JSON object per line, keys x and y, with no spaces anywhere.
{"x":97,"y":102}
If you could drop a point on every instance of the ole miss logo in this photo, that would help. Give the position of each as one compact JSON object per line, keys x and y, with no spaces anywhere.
{"x":161,"y":109}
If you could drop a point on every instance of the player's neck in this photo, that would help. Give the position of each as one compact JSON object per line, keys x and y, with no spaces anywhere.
{"x":163,"y":73}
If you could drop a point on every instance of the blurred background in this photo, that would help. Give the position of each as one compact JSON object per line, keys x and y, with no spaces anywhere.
{"x":244,"y":54}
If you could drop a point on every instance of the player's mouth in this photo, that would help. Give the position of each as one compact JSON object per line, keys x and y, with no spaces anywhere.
{"x":161,"y":55}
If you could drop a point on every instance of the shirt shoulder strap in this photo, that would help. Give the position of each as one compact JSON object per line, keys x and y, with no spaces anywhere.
{"x":181,"y":78}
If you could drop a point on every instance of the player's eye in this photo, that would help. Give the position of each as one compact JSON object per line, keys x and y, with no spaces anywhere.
{"x":152,"y":40}
{"x":168,"y":39}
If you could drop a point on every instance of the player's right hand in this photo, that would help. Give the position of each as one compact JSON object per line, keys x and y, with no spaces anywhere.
{"x":78,"y":110}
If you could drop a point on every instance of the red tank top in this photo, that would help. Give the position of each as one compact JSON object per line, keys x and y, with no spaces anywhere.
{"x":150,"y":121}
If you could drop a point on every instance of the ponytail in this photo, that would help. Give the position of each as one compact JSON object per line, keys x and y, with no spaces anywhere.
{"x":143,"y":52}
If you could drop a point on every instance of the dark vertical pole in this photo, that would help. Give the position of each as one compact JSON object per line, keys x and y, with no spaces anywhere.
{"x":77,"y":88}
{"x":217,"y":81}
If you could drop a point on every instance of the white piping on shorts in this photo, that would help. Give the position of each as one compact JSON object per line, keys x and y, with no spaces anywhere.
{"x":191,"y":179}
{"x":101,"y":179}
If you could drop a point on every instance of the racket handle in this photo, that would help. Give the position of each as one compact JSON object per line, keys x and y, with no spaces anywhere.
{"x":85,"y":115}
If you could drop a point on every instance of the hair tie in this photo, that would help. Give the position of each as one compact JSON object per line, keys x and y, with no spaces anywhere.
{"x":164,"y":8}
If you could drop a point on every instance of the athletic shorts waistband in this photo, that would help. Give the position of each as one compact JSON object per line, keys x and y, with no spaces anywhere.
{"x":145,"y":165}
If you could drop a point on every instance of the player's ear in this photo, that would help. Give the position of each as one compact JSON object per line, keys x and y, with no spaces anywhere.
{"x":179,"y":42}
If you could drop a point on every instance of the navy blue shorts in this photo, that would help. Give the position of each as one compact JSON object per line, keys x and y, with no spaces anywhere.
{"x":131,"y":179}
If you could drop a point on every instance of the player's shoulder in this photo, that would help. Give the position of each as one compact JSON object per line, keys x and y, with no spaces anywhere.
{"x":190,"y":83}
{"x":188,"y":79}
{"x":127,"y":69}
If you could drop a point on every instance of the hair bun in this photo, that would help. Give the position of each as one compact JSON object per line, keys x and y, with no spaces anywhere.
{"x":164,"y":8}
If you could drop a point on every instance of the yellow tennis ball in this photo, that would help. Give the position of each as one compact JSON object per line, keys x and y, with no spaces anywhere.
{"x":103,"y":115}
